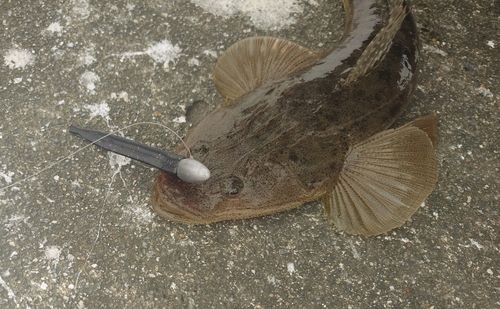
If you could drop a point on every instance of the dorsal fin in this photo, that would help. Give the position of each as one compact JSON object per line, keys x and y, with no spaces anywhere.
{"x":377,"y":48}
{"x":383,"y":182}
{"x":251,"y":62}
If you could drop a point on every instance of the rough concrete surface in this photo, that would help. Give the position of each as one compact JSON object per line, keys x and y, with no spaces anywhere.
{"x":81,"y":234}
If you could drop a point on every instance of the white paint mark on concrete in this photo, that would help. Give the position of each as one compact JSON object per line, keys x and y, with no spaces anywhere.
{"x":477,"y":244}
{"x":485,"y":92}
{"x":52,"y":253}
{"x":18,"y":58}
{"x":87,"y":57}
{"x":161,"y":52}
{"x":55,"y":27}
{"x":490,"y":44}
{"x":118,"y":160}
{"x":142,"y":214}
{"x":42,"y":243}
{"x":88,"y":80}
{"x":7,"y":176}
{"x":263,"y":14}
{"x":10,"y":293}
{"x":355,"y":252}
{"x":80,"y":9}
{"x":49,"y":200}
{"x":193,"y":62}
{"x":433,"y":49}
{"x":16,"y":219}
{"x":290,"y":267}
{"x":173,"y":286}
{"x":180,"y":119}
{"x":271,"y":280}
{"x":211,"y":53}
{"x":100,"y":109}
{"x":124,"y":96}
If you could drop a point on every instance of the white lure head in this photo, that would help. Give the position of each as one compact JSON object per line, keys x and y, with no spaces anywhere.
{"x":190,"y":170}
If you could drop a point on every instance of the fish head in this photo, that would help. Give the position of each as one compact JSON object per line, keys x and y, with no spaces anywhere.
{"x":244,"y":182}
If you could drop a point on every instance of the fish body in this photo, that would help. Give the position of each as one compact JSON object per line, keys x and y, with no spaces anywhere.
{"x":299,"y":126}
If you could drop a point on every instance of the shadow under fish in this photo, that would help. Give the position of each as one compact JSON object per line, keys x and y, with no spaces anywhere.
{"x":298,"y":126}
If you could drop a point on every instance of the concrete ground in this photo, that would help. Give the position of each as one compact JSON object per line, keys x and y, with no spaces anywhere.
{"x":81,"y":234}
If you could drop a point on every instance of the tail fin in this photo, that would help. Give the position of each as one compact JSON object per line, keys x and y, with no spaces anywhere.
{"x":377,"y":48}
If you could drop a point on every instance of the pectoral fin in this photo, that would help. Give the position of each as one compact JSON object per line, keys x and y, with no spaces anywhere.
{"x":384,"y":180}
{"x":428,"y":124}
{"x":251,"y":62}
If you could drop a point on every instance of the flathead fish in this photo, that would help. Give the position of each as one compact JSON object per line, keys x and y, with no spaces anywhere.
{"x":298,"y":126}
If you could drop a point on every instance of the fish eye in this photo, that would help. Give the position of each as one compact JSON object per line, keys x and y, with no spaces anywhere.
{"x":232,"y":186}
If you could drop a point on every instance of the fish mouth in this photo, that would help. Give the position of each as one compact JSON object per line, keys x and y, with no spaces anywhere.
{"x":197,"y":204}
{"x":173,"y":213}
{"x":178,"y":201}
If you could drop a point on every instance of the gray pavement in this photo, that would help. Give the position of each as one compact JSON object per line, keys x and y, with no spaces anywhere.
{"x":82,"y":234}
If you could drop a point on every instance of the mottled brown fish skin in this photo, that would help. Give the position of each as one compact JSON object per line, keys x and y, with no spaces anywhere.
{"x":284,"y":143}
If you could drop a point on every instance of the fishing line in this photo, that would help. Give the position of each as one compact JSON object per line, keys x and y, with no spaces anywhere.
{"x":84,"y":147}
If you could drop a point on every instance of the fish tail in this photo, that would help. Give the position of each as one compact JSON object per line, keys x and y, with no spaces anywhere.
{"x":377,"y":48}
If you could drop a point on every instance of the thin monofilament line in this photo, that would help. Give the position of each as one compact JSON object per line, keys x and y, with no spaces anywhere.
{"x":82,"y":148}
{"x":96,"y":239}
